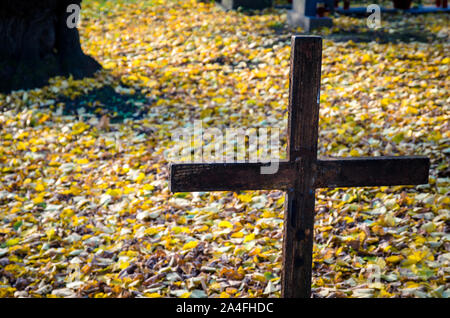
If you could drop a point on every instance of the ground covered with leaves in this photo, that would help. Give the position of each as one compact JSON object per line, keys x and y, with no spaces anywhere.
{"x":85,"y":208}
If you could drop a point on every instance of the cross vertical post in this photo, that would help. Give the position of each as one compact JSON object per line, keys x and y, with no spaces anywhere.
{"x":304,"y":86}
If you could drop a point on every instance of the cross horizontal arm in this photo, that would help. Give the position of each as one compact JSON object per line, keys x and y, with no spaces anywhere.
{"x":228,"y":177}
{"x":372,"y":171}
{"x":331,"y":173}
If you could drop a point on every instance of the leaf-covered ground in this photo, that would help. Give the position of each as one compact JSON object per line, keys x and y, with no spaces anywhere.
{"x":85,"y":208}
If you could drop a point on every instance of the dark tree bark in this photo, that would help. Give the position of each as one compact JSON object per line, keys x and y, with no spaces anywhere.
{"x":37,"y":44}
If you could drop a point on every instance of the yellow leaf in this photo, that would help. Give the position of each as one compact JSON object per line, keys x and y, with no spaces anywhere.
{"x":176,"y":229}
{"x":415,"y":257}
{"x":140,"y":177}
{"x":110,"y":65}
{"x":148,"y":187}
{"x":152,"y":295}
{"x":348,"y":219}
{"x":366,"y":58}
{"x":280,"y":201}
{"x":132,"y":78}
{"x":354,"y":153}
{"x":124,"y":265}
{"x":249,"y":238}
{"x":245,"y":197}
{"x":203,"y":228}
{"x":215,"y":286}
{"x":385,"y":102}
{"x":237,"y":235}
{"x":268,"y":214}
{"x":412,"y":285}
{"x":181,"y":220}
{"x":412,"y":110}
{"x":38,"y":199}
{"x":114,"y":192}
{"x":261,"y":74}
{"x":225,"y":224}
{"x":74,"y":190}
{"x":429,"y":227}
{"x":152,"y":231}
{"x":189,"y":245}
{"x":394,"y":259}
{"x":50,"y":234}
{"x":82,"y":161}
{"x":12,"y":242}
{"x":385,"y":294}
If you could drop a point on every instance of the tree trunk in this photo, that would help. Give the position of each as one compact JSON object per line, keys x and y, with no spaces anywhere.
{"x":402,"y":4}
{"x":37,"y":44}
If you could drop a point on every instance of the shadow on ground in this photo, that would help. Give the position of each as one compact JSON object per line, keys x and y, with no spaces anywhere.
{"x":117,"y":104}
{"x":396,"y":28}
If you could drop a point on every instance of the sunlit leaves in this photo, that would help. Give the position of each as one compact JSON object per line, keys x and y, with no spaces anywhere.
{"x":84,"y":201}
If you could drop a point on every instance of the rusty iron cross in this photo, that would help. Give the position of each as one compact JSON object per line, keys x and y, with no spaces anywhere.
{"x":303,"y":172}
